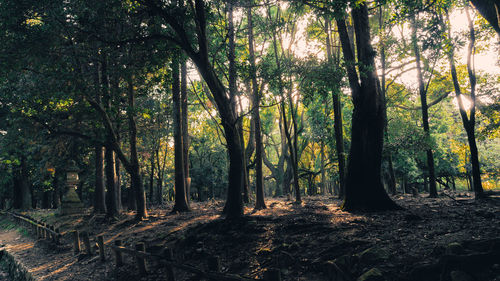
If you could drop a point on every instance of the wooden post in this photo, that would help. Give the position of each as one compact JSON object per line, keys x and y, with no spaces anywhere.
{"x":44,"y":231}
{"x":169,"y":255}
{"x":118,"y":254}
{"x":100,"y":242}
{"x":86,"y":241}
{"x":52,"y":234}
{"x":272,"y":274}
{"x":76,"y":237}
{"x":141,"y":262}
{"x":58,"y":236}
{"x":214,"y":264}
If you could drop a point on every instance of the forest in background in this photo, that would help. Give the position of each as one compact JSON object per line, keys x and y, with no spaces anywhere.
{"x":191,"y":100}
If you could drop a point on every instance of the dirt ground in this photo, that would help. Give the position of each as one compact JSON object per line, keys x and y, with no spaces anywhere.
{"x":432,"y":239}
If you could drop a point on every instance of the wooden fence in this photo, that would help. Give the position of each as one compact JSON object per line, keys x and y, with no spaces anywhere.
{"x":139,"y":254}
{"x":42,"y":230}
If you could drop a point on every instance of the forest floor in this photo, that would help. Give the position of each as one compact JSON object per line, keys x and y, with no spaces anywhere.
{"x":453,"y":237}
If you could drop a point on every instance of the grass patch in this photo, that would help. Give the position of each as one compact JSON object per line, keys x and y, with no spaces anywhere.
{"x":7,"y":224}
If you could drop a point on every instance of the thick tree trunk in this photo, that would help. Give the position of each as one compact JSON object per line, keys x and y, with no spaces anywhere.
{"x":425,"y":113}
{"x":364,"y":189}
{"x":181,"y":204}
{"x":259,"y":179}
{"x":490,"y":11}
{"x":134,"y":170}
{"x":99,"y":191}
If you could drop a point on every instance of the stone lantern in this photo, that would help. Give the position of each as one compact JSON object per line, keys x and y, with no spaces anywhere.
{"x":70,"y":203}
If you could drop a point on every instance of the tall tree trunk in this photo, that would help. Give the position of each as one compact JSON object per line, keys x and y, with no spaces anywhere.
{"x":135,"y":176}
{"x":387,"y":154}
{"x":323,"y":172}
{"x":111,"y":183}
{"x":337,"y":119}
{"x":151,"y":178}
{"x":234,"y":203}
{"x":181,"y":204}
{"x":364,"y":189}
{"x":425,"y":113}
{"x":99,"y":191}
{"x":468,"y":121}
{"x":185,"y":134}
{"x":259,"y":179}
{"x":228,"y":115}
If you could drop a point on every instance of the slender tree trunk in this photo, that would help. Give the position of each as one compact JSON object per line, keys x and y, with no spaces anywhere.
{"x":468,"y":121}
{"x":185,"y":135}
{"x":259,"y":179}
{"x":425,"y":113}
{"x":135,"y":176}
{"x":323,"y":172}
{"x":181,"y":204}
{"x":151,"y":178}
{"x":99,"y":192}
{"x":337,"y":119}
{"x":364,"y":189}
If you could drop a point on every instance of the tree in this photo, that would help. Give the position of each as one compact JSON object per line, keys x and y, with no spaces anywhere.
{"x":424,"y":107}
{"x":364,"y":189}
{"x":259,"y":184}
{"x":469,"y":121}
{"x":181,"y":204}
{"x":175,"y":17}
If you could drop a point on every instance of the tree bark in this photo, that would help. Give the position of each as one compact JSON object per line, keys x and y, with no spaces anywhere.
{"x":184,"y":127}
{"x":259,"y":180}
{"x":234,"y":203}
{"x":425,"y":113}
{"x":181,"y":204}
{"x":99,"y":191}
{"x":364,"y":189}
{"x":151,"y":178}
{"x":490,"y":11}
{"x":111,"y":196}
